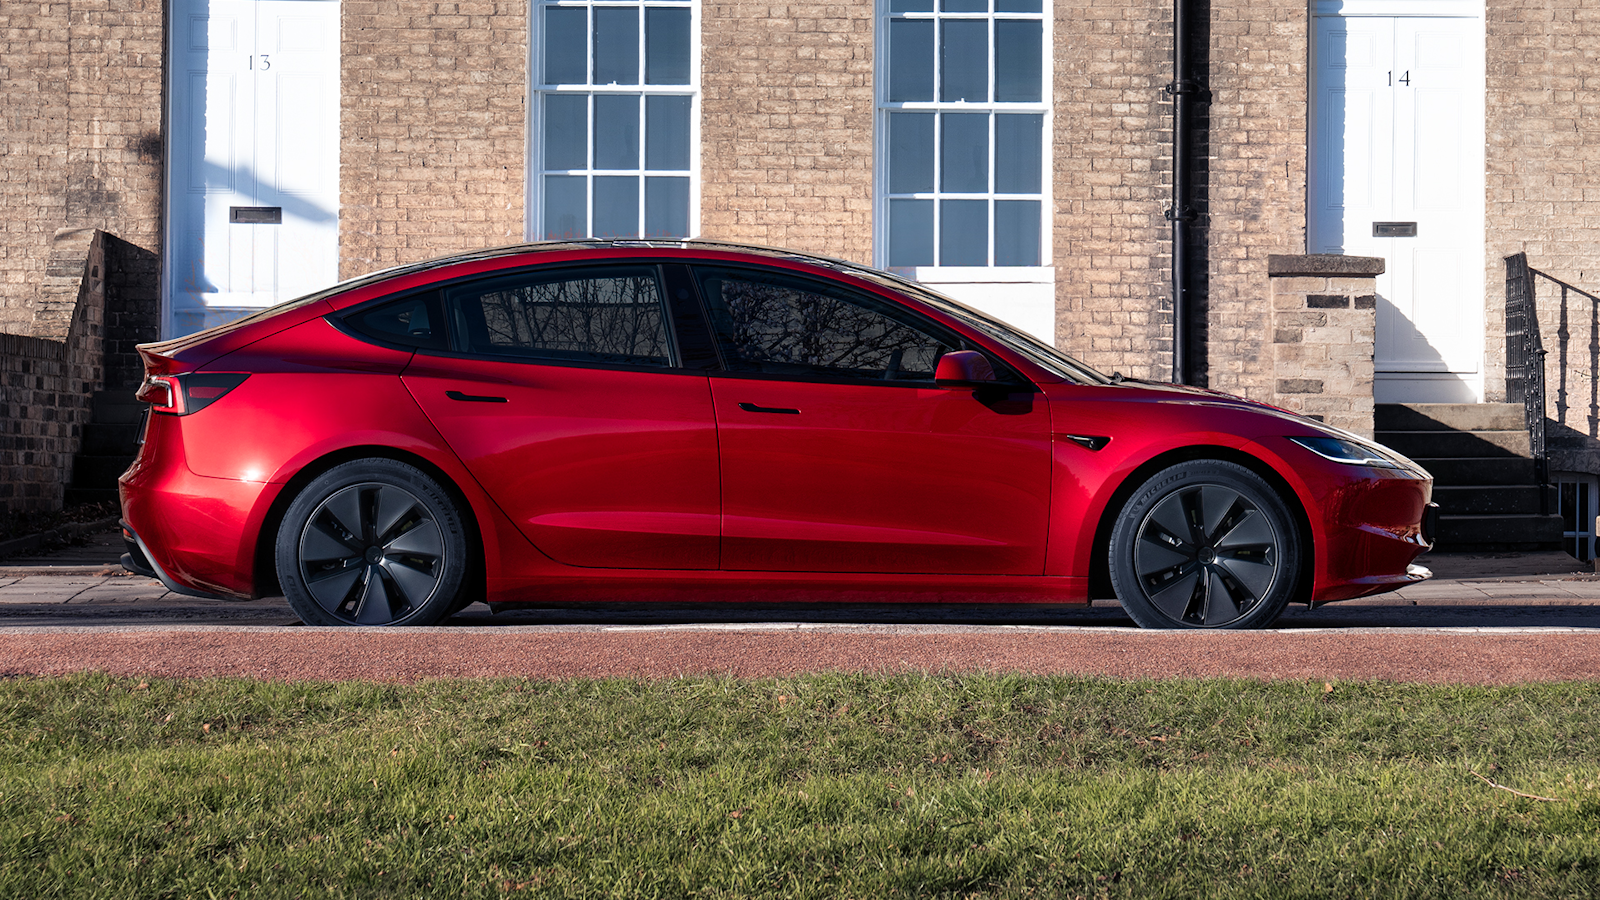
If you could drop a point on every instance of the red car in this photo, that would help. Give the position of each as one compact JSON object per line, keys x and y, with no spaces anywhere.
{"x":568,"y":422}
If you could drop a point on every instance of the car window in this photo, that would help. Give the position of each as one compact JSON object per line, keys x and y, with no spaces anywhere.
{"x":611,"y":315}
{"x":777,"y":325}
{"x":412,"y":321}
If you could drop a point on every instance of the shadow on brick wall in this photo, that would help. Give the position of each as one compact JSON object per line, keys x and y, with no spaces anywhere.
{"x":133,"y":309}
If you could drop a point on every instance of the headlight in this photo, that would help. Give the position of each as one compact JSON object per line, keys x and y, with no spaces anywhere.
{"x":1345,"y":451}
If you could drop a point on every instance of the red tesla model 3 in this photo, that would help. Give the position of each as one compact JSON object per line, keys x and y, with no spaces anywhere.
{"x":558,"y":423}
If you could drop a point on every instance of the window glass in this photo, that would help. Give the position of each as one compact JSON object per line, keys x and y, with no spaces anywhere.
{"x":566,"y":128}
{"x":412,"y":321}
{"x":964,"y":59}
{"x":666,"y":207}
{"x":910,"y":60}
{"x":666,"y":46}
{"x":615,"y":156}
{"x":666,"y":133}
{"x":1018,"y":61}
{"x":566,"y":207}
{"x":616,"y":45}
{"x":910,"y":233}
{"x":1018,"y":149}
{"x":616,"y":131}
{"x":911,"y":147}
{"x":566,"y":44}
{"x":964,"y":232}
{"x":781,"y":326}
{"x":962,"y":167}
{"x":616,"y":206}
{"x":610,"y":316}
{"x":965,"y":153}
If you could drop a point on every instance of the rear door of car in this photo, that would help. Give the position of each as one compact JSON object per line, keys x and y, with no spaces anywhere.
{"x":568,"y":398}
{"x":839,"y":453}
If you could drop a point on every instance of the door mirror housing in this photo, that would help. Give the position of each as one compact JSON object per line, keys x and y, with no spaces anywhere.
{"x":964,"y":369}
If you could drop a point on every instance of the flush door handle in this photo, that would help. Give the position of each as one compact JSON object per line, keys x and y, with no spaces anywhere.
{"x":751,"y":407}
{"x":473,"y":398}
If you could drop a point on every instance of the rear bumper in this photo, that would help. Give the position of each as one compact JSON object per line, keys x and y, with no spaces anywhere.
{"x":138,"y":561}
{"x":195,"y":533}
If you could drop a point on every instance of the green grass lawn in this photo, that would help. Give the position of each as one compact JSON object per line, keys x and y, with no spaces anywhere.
{"x":830,"y":786}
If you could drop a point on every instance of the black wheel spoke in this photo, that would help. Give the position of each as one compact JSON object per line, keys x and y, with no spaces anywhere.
{"x":1253,"y":573}
{"x":413,"y":584}
{"x":1172,"y":522}
{"x":374,"y":607}
{"x":326,"y":539}
{"x":1205,"y":555}
{"x":391,"y":505}
{"x":1176,"y":598}
{"x":331,"y":588}
{"x":372,"y":553}
{"x":1221,"y":606}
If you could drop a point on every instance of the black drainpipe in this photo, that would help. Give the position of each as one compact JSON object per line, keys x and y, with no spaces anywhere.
{"x":1184,"y":91}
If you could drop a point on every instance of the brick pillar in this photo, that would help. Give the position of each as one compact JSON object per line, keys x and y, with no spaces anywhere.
{"x":1324,"y":316}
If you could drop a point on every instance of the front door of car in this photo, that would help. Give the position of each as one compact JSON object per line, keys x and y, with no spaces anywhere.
{"x":839,"y":454}
{"x":569,"y":409}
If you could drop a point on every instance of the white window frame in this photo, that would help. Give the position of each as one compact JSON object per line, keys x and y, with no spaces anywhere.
{"x":533,"y":217}
{"x":1021,"y":295}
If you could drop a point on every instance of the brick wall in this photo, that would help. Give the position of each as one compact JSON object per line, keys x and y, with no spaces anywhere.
{"x":786,"y":125}
{"x":1256,"y":183}
{"x":1322,"y":325}
{"x":1543,"y":156}
{"x":433,"y":125}
{"x":80,"y":130}
{"x":47,"y":378}
{"x":1112,"y":181}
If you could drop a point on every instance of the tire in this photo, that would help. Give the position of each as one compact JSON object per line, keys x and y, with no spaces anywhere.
{"x":372,"y":542}
{"x":1205,"y":544}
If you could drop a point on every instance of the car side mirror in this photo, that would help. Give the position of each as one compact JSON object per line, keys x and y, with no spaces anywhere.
{"x":964,"y":369}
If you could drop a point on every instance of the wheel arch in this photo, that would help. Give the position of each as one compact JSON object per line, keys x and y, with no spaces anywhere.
{"x":266,"y":570}
{"x":1099,"y":554}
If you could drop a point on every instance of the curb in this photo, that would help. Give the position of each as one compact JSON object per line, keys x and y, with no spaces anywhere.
{"x":68,"y":532}
{"x":110,"y":570}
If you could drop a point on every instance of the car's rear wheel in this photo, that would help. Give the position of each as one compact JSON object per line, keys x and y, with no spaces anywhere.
{"x":372,"y":542}
{"x":1205,"y":544}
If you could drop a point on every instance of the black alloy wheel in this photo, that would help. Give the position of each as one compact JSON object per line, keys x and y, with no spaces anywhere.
{"x":372,"y":542}
{"x":1205,"y":544}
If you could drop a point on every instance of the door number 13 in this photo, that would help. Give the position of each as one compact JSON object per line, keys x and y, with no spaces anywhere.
{"x":1404,"y":78}
{"x":266,"y":62}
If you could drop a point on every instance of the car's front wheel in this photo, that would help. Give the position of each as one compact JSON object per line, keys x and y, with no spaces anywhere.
{"x":372,"y":542}
{"x":1205,"y":544}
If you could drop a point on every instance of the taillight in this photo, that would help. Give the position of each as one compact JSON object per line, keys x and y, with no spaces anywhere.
{"x":180,"y":395}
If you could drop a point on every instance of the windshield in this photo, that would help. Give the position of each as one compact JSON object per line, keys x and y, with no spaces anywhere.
{"x":1036,"y":351}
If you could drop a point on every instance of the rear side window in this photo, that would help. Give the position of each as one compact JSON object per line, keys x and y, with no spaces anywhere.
{"x":412,"y":321}
{"x":776,"y":325}
{"x":611,"y":315}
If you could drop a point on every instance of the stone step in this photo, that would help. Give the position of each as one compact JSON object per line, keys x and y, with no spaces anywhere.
{"x":1426,"y":445}
{"x":1498,"y":532}
{"x":1449,"y":417}
{"x":1480,"y":470}
{"x":1485,"y":499}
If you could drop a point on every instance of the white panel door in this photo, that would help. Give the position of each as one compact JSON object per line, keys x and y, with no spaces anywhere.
{"x":254,"y":182}
{"x":1396,"y":171}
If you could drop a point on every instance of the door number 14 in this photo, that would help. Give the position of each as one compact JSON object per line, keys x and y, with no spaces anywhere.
{"x":1405,"y":77}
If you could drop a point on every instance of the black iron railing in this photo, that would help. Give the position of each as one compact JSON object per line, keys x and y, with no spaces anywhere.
{"x":1525,"y":359}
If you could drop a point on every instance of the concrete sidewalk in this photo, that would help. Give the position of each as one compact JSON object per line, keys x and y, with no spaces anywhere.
{"x":84,"y":586}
